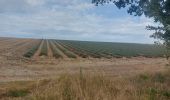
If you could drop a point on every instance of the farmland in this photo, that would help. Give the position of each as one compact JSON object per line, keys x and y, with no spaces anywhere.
{"x":99,"y":69}
{"x":82,"y":49}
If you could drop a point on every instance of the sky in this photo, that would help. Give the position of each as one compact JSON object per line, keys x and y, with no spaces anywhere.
{"x":71,"y":20}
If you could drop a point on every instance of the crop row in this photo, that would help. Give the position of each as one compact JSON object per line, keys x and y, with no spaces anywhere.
{"x":65,"y":51}
{"x":44,"y":49}
{"x":107,"y":49}
{"x":54,"y":50}
{"x":83,"y":49}
{"x":80,"y":50}
{"x":32,"y":50}
{"x":76,"y":51}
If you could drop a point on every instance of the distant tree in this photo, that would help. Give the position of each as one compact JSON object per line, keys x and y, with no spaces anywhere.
{"x":159,"y":10}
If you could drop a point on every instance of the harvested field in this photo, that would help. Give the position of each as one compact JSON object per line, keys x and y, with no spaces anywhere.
{"x":21,"y":61}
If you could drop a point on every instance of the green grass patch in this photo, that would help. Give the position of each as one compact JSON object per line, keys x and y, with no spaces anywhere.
{"x":17,"y":93}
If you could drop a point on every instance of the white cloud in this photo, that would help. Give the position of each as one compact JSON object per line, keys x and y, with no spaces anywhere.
{"x":66,"y":19}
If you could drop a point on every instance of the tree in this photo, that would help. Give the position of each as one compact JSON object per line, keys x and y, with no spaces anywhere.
{"x":159,"y":10}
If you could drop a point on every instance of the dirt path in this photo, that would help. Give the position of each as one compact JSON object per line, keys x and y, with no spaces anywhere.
{"x":58,"y":50}
{"x":37,"y":53}
{"x":50,"y":53}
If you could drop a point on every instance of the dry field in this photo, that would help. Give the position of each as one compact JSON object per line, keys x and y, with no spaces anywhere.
{"x":32,"y":69}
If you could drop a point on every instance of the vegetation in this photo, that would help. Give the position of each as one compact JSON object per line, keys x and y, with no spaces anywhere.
{"x":86,"y":49}
{"x":108,"y":49}
{"x":31,"y":51}
{"x":44,"y":49}
{"x":65,"y":51}
{"x":17,"y":93}
{"x":145,"y":86}
{"x":54,"y":50}
{"x":159,"y":10}
{"x":70,"y":48}
{"x":81,"y":49}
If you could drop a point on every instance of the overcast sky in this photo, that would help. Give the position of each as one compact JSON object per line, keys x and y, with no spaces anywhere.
{"x":71,"y":19}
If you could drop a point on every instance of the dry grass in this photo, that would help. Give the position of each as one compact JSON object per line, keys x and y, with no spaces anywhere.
{"x":94,"y":87}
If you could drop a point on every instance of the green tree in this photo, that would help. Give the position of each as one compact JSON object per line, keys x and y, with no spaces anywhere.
{"x":159,"y":10}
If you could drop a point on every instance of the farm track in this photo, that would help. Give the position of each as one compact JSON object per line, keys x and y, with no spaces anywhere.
{"x":50,"y":53}
{"x":37,"y":53}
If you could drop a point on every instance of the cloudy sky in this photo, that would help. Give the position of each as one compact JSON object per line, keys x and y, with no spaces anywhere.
{"x":71,"y":19}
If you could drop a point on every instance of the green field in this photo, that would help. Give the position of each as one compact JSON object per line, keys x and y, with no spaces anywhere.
{"x":85,"y":49}
{"x":108,"y":49}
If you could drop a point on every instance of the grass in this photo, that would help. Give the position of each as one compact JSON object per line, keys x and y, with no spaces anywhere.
{"x":17,"y":93}
{"x":18,"y":89}
{"x":82,"y":86}
{"x":101,"y":88}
